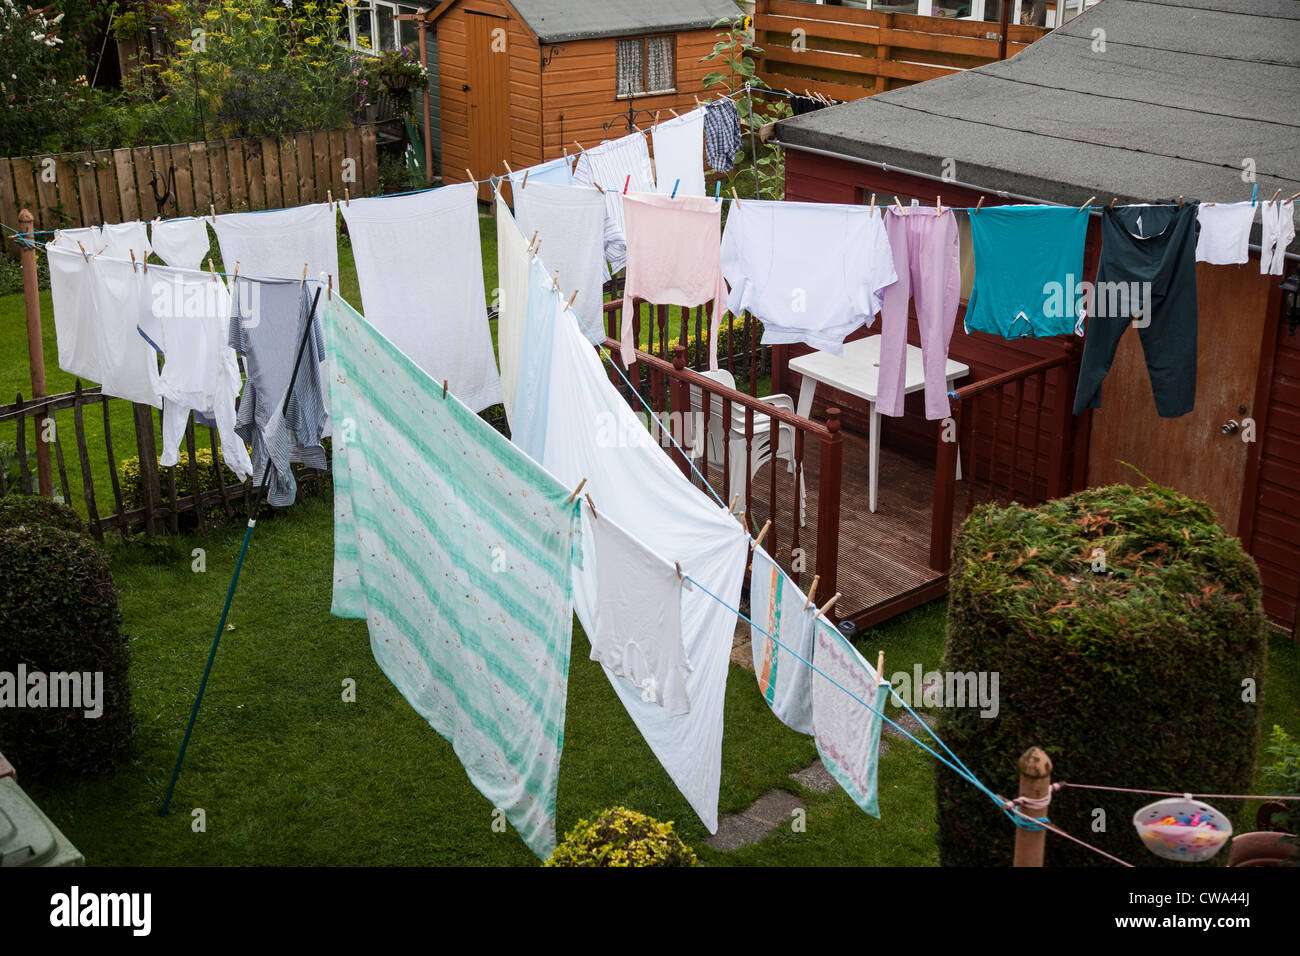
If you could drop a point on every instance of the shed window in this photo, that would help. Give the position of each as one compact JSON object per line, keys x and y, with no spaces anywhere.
{"x":372,"y":27}
{"x":646,"y":65}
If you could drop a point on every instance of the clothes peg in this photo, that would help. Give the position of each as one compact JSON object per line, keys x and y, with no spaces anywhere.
{"x":470,"y":175}
{"x":303,"y":280}
{"x":731,"y":508}
{"x":656,"y":122}
{"x":827,"y":606}
{"x":133,"y":266}
{"x":899,"y":203}
{"x":212,"y":269}
{"x":1292,"y":198}
{"x":1275,"y":195}
{"x":212,"y":210}
{"x":880,"y":667}
{"x":524,"y":183}
{"x":680,"y":576}
{"x":508,"y":169}
{"x":628,"y":182}
{"x":579,"y":145}
{"x":938,"y":205}
{"x":674,"y":112}
{"x":1087,"y":204}
{"x":1254,"y":193}
{"x":329,"y":288}
{"x":978,"y":205}
{"x":759,"y":540}
{"x":592,"y":505}
{"x":236,"y":275}
{"x":717,"y":191}
{"x":347,"y":197}
{"x":873,"y":205}
{"x":555,"y":282}
{"x":812,"y":591}
{"x":734,"y":198}
{"x":537,"y":251}
{"x":698,"y":104}
{"x":329,"y":196}
{"x":1180,"y":202}
{"x":532,"y":240}
{"x":599,"y":186}
{"x":675,"y":185}
{"x":83,"y":251}
{"x":569,"y":500}
{"x":1113,"y":200}
{"x":570,"y":302}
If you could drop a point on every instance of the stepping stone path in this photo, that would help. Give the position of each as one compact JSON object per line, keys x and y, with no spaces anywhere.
{"x":764,"y":815}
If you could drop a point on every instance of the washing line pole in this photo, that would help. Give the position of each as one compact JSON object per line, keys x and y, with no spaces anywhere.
{"x":239,"y":564}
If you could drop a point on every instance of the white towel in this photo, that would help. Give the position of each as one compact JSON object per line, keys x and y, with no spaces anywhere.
{"x":513,"y":265}
{"x":121,"y":239}
{"x":421,"y":276}
{"x":128,"y":365}
{"x":183,"y":243}
{"x":570,"y":222}
{"x":609,"y":165}
{"x":74,"y":313}
{"x":679,"y":154}
{"x":277,"y":244}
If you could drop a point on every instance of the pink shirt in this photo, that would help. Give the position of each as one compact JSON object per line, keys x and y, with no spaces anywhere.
{"x":673,"y":258}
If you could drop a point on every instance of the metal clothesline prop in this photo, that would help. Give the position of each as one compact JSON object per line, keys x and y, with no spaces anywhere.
{"x":253,"y":507}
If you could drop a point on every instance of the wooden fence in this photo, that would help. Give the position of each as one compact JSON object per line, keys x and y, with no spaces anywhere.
{"x":845,"y":53}
{"x":64,"y":190}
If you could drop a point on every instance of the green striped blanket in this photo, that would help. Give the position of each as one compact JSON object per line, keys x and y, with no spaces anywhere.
{"x":457,"y":549}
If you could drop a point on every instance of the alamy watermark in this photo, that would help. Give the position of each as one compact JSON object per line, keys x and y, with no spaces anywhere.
{"x":950,"y":689}
{"x":1119,"y":300}
{"x":60,"y":690}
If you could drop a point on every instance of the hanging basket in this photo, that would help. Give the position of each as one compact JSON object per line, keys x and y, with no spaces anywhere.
{"x":396,"y":81}
{"x":1183,"y":829}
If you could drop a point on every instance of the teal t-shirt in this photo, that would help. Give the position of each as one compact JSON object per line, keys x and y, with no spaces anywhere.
{"x":1028,"y":271}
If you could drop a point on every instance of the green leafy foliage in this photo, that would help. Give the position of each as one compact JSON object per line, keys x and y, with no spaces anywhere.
{"x":1282,"y":778}
{"x":59,"y":615}
{"x":133,"y":487}
{"x":1123,"y":623}
{"x":622,"y":837}
{"x":18,"y":511}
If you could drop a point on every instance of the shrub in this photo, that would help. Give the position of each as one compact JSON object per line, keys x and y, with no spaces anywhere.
{"x":622,"y":837}
{"x":11,"y":465}
{"x":1282,"y":777}
{"x":133,"y":488}
{"x":32,"y":510}
{"x":1128,"y":675}
{"x":59,"y":614}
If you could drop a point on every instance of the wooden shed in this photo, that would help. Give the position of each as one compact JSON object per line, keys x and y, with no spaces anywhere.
{"x":1163,"y":113}
{"x":521,"y":80}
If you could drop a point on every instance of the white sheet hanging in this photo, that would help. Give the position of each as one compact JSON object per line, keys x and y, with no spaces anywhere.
{"x":421,"y":275}
{"x":592,"y":433}
{"x":570,"y":223}
{"x":128,"y":363}
{"x":121,"y":239}
{"x":278,"y":243}
{"x":679,"y":154}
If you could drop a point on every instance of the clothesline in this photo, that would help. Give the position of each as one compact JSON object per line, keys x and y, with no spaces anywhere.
{"x":1166,"y":793}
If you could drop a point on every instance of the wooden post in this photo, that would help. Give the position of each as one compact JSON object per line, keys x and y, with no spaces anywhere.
{"x":680,"y":394}
{"x":1003,"y":26}
{"x":428,"y":137}
{"x":1035,"y":783}
{"x":828,"y":502}
{"x":35,"y":345}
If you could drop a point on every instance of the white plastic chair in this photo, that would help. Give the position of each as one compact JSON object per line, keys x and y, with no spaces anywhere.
{"x":760,"y":451}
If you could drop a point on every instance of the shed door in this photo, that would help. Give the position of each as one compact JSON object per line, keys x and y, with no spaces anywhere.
{"x":488,"y":96}
{"x":1190,"y":454}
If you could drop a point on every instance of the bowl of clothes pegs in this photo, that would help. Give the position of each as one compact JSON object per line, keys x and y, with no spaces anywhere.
{"x":1183,"y":829}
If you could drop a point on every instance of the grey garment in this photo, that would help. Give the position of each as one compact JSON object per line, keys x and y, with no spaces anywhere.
{"x":266,"y":327}
{"x":722,"y":134}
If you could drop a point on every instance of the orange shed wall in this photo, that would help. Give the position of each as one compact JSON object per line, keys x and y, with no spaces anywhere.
{"x":525,"y":91}
{"x":578,"y":89}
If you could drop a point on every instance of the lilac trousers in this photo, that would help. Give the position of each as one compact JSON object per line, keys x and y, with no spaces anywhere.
{"x":927,"y":259}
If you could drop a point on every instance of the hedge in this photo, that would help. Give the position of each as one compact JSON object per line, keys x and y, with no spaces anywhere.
{"x":20,"y":510}
{"x":59,"y":615}
{"x":1130,"y":675}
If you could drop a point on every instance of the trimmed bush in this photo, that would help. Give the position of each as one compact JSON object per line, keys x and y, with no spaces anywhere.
{"x":20,"y":510}
{"x":622,"y":837}
{"x":59,"y":615}
{"x":1128,"y":673}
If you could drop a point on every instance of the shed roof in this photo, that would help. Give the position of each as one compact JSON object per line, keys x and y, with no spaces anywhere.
{"x":556,"y":21}
{"x":1180,"y":98}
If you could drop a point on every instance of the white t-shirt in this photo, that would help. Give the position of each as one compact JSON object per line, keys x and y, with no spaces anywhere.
{"x":810,"y":272}
{"x":1224,"y":238}
{"x":639,"y":617}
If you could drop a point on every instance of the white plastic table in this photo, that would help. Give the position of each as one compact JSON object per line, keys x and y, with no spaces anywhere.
{"x":857,"y":372}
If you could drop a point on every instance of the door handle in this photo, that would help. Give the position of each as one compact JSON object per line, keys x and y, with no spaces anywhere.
{"x":464,"y":87}
{"x":1230,"y":427}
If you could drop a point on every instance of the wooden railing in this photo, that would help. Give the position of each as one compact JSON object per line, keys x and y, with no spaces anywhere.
{"x":116,"y":185}
{"x":1012,"y":439}
{"x":846,"y":53}
{"x":98,"y":492}
{"x":711,"y":431}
